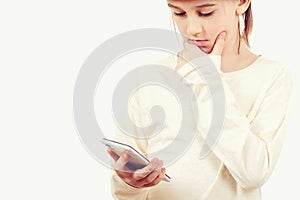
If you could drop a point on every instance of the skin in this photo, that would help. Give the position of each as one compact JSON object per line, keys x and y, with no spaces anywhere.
{"x":148,"y":176}
{"x":219,"y":29}
{"x":209,"y":22}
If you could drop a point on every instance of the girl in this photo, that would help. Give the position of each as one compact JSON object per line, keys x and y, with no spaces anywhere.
{"x":258,"y":94}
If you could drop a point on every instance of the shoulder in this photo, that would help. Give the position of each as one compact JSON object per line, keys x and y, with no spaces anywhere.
{"x":270,"y":71}
{"x":278,"y":73}
{"x":273,"y":67}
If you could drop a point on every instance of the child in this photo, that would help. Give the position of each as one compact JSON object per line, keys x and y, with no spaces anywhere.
{"x":258,"y":98}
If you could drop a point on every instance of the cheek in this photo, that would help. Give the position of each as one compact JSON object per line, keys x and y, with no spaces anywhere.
{"x":214,"y":29}
{"x":180,"y":25}
{"x":222,"y":21}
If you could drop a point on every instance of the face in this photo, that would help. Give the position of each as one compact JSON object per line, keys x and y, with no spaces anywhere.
{"x":201,"y":21}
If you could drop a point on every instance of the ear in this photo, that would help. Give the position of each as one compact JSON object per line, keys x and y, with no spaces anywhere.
{"x":242,"y":6}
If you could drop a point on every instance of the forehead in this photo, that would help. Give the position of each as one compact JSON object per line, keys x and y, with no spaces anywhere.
{"x":203,"y":4}
{"x":192,"y":2}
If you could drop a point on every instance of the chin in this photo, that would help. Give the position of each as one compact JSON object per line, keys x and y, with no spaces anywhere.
{"x":206,"y":50}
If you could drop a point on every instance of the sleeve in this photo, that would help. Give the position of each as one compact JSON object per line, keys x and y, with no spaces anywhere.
{"x":121,"y":190}
{"x":250,"y":149}
{"x":139,"y":112}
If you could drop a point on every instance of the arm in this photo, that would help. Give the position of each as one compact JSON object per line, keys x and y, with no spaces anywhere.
{"x":126,"y":183}
{"x":250,"y":149}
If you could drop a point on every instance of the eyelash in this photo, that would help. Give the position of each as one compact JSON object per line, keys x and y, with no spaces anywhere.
{"x":200,"y":14}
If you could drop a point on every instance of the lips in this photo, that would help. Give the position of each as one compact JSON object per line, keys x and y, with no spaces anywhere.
{"x":200,"y":43}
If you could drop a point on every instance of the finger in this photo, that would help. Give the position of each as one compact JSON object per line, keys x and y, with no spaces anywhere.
{"x":219,"y":44}
{"x":113,"y":154}
{"x":122,"y":161}
{"x":153,"y":175}
{"x":142,"y":173}
{"x":148,"y":180}
{"x":156,"y":181}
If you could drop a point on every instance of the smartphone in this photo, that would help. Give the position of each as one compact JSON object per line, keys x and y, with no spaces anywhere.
{"x":137,"y":159}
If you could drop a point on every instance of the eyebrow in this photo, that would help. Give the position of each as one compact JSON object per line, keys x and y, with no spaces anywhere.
{"x":200,"y":6}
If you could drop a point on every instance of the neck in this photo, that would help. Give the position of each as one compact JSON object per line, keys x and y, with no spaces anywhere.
{"x":236,"y":56}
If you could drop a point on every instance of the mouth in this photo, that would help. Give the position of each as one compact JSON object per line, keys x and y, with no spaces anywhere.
{"x":200,"y":43}
{"x":203,"y":45}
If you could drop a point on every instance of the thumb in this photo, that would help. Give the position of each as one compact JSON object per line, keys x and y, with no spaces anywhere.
{"x":219,"y":44}
{"x":122,"y":161}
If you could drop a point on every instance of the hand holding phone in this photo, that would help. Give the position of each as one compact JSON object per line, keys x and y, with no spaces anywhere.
{"x":136,"y":169}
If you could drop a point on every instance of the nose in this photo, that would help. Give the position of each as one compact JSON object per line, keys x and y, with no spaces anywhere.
{"x":194,"y":26}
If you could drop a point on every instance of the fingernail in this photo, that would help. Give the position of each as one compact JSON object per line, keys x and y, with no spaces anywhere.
{"x":223,"y":35}
{"x":125,"y":156}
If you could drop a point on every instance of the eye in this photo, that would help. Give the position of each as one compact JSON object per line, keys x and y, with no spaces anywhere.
{"x":181,"y":14}
{"x":205,"y":14}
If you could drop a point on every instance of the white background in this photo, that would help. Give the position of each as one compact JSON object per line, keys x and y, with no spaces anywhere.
{"x":42,"y":47}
